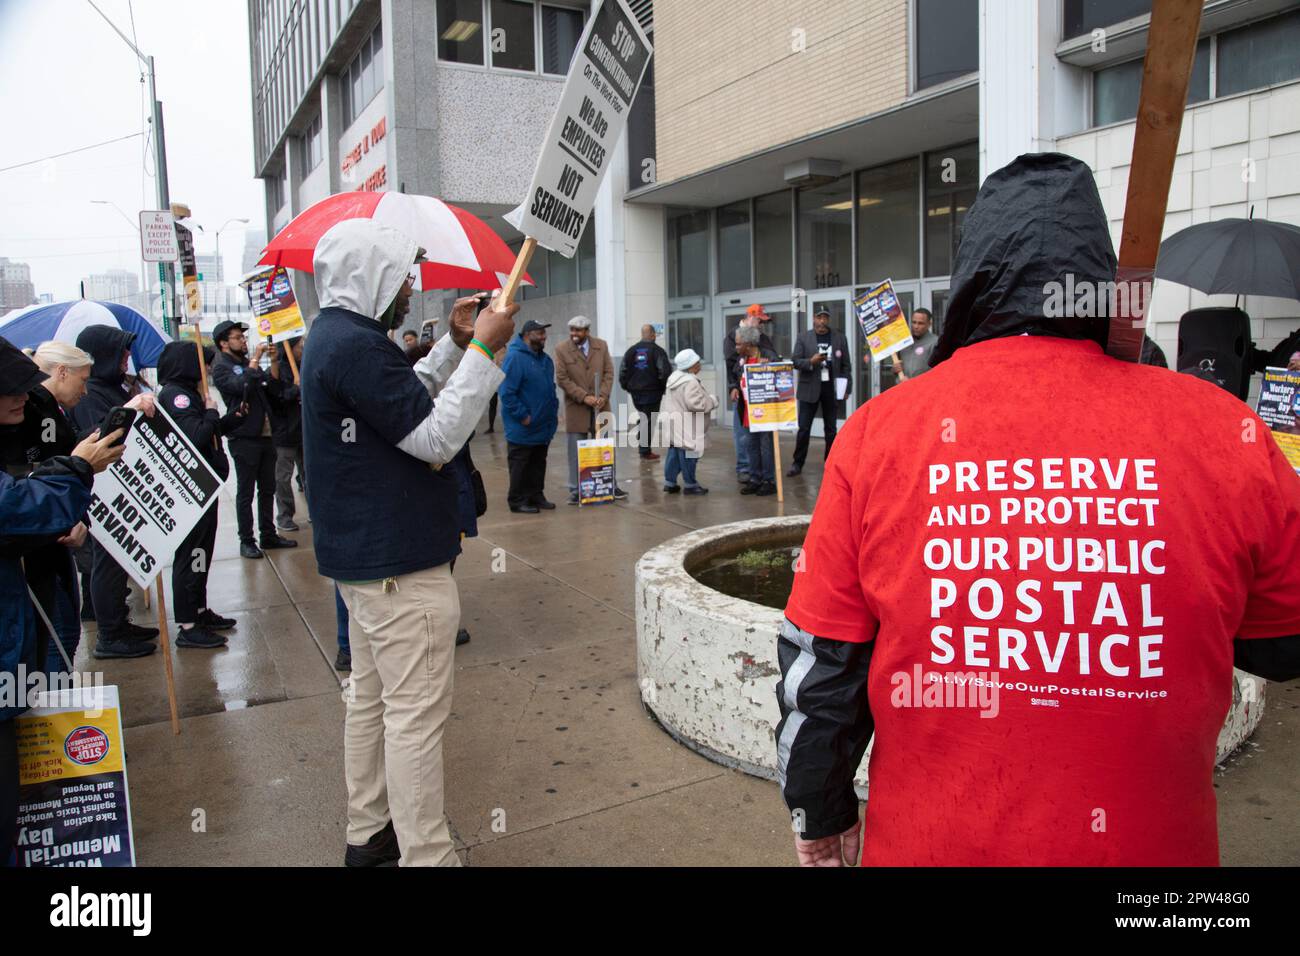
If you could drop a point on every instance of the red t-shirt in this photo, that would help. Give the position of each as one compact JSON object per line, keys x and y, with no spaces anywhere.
{"x":1086,"y":537}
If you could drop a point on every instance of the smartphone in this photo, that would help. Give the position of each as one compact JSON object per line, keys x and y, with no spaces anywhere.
{"x":118,"y":417}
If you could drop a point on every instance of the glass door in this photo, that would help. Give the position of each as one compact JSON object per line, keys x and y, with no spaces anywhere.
{"x":840,"y":306}
{"x":779,"y":328}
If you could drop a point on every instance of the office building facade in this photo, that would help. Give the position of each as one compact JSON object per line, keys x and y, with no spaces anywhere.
{"x":782,"y":153}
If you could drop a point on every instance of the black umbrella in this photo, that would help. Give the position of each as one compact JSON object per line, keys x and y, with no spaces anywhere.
{"x":1234,"y":257}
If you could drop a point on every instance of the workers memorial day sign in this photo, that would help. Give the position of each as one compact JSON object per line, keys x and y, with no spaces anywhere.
{"x":146,"y":502}
{"x":73,"y":808}
{"x":595,"y":470}
{"x":883,"y":323}
{"x":270,"y":294}
{"x":1279,"y":407}
{"x":603,"y":80}
{"x":769,"y":394}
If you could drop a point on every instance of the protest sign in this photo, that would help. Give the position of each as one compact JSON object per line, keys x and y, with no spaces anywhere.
{"x":595,"y":471}
{"x":73,"y":805}
{"x":884,"y":324}
{"x":189,"y":273}
{"x":270,"y":294}
{"x":769,"y":391}
{"x":158,"y":236}
{"x":145,"y":503}
{"x":1279,"y":407}
{"x":603,"y":78}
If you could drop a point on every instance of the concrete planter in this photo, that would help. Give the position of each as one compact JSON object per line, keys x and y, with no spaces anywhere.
{"x":707,"y":664}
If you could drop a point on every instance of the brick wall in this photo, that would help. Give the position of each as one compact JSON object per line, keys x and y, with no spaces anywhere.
{"x":729,"y":81}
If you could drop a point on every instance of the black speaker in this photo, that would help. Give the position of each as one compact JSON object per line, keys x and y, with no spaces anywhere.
{"x":1213,"y":344}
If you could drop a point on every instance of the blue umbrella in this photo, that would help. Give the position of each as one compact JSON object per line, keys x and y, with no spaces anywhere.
{"x":63,"y":322}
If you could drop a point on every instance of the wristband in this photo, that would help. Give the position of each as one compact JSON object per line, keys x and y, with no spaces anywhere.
{"x":476,"y":344}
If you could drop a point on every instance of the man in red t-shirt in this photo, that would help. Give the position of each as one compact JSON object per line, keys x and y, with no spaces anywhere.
{"x":1032,"y":578}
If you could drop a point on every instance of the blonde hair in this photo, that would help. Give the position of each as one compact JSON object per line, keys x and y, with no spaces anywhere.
{"x":50,"y":355}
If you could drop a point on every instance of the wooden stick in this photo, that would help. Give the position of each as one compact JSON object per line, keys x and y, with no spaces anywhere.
{"x":165,"y":640}
{"x":1166,"y":71}
{"x":517,"y":273}
{"x":147,"y":599}
{"x":293,"y":363}
{"x":776,"y":461}
{"x":203,"y":365}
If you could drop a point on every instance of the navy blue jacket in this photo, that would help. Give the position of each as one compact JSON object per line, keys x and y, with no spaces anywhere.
{"x":376,"y":511}
{"x":33,"y":511}
{"x":528,"y":392}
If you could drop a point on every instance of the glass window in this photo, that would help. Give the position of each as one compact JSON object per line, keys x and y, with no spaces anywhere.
{"x":889,"y":222}
{"x":733,"y":247}
{"x":512,"y":41}
{"x":561,"y":30}
{"x":826,"y":235}
{"x":688,"y":253}
{"x":952,"y":178}
{"x":1115,"y":89}
{"x":312,"y":152}
{"x":641,"y":132}
{"x":947,"y":44}
{"x":460,"y":31}
{"x":772,"y":239}
{"x":1258,"y":55}
{"x":563,"y":273}
{"x":687,"y":332}
{"x":1084,"y":16}
{"x":587,"y":256}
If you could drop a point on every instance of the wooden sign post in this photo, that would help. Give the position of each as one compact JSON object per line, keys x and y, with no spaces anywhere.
{"x":776,"y":460}
{"x":164,"y":638}
{"x":1166,"y":71}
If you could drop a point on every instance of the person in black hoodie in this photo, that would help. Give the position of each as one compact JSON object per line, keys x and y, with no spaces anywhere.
{"x":286,"y":434}
{"x":198,"y":418}
{"x":110,"y":347}
{"x":240,"y":379}
{"x":644,"y":375}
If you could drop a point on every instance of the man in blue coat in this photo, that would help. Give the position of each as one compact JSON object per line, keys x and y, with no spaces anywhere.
{"x":530,"y":410}
{"x":34,"y":511}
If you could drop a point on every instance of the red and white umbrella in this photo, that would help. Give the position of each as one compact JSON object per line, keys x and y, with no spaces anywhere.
{"x":463,"y":252}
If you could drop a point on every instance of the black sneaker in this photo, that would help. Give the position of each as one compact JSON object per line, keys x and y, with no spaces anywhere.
{"x":213,"y":621}
{"x":137,"y":632}
{"x":462,"y":637}
{"x":672,"y":489}
{"x":541,"y":502}
{"x":270,"y":542}
{"x":525,"y":509}
{"x":751,"y":488}
{"x":199,"y":637}
{"x":619,"y":494}
{"x":695,"y":490}
{"x":794,"y":471}
{"x":573,"y":497}
{"x":343,"y":662}
{"x":765,"y":489}
{"x":117,"y":647}
{"x":249,"y":550}
{"x":379,"y":850}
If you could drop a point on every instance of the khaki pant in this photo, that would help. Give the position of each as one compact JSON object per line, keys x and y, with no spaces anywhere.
{"x":403,"y":646}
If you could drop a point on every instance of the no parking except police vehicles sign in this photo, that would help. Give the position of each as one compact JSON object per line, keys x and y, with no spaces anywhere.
{"x":144,"y":505}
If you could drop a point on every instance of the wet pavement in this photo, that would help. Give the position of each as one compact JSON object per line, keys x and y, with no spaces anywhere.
{"x":550,"y":757}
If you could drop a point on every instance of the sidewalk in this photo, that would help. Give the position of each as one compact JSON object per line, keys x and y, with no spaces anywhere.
{"x":550,"y":757}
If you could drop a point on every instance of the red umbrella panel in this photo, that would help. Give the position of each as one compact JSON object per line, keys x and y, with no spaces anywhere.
{"x":462,"y":251}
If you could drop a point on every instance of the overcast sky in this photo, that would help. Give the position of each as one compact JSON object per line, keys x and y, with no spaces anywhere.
{"x":67,"y":80}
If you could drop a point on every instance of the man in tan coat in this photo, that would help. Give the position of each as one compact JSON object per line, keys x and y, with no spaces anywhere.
{"x":585,"y":373}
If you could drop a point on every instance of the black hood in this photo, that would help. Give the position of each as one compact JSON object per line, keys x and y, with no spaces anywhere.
{"x":106,"y":345}
{"x":18,"y":373}
{"x":179,"y":364}
{"x":1034,"y":222}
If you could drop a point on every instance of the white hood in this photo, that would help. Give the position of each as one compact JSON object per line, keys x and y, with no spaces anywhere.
{"x":360,"y":266}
